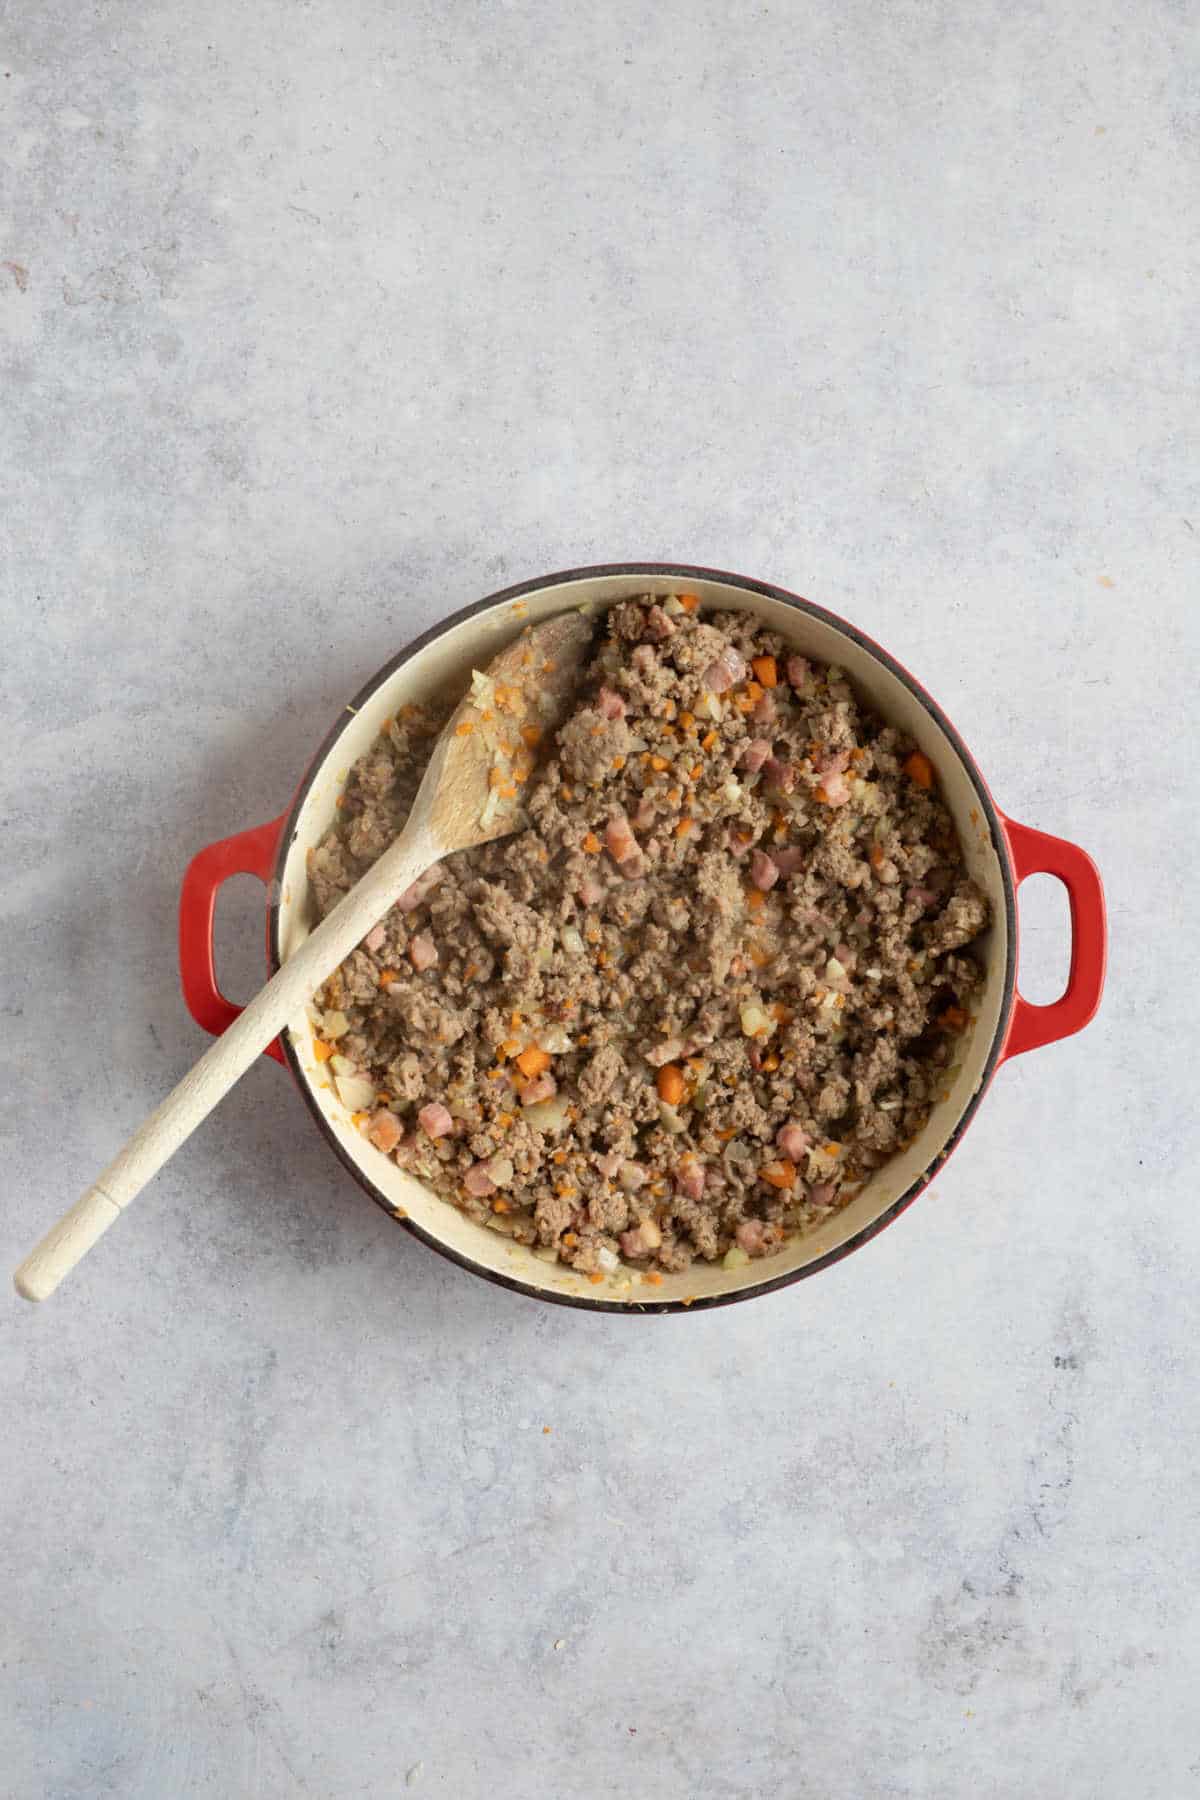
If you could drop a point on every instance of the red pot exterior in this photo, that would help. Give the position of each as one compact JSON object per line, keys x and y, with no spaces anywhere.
{"x":1022,"y":852}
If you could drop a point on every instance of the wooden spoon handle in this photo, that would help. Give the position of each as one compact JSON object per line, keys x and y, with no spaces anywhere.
{"x":203,"y":1087}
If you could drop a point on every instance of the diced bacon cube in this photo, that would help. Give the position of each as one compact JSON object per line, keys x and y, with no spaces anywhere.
{"x":756,"y":1237}
{"x":622,"y":845}
{"x":643,"y":1240}
{"x":384,"y":1130}
{"x":542,"y":1087}
{"x":754,"y":755}
{"x":791,"y":1140}
{"x":764,"y":870}
{"x":422,"y":951}
{"x":477,"y":1181}
{"x":834,"y":789}
{"x":725,"y":671}
{"x":610,"y":704}
{"x":435,"y":1120}
{"x":420,"y":890}
{"x":781,"y":776}
{"x":689,"y":1179}
{"x":374,"y":939}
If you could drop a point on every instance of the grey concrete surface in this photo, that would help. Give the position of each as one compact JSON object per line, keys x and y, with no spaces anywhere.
{"x":318,"y":320}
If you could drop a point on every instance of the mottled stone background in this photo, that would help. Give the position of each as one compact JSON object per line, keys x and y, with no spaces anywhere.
{"x":321,"y":319}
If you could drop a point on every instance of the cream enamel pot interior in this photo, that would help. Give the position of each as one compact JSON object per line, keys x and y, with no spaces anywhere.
{"x":999,"y":854}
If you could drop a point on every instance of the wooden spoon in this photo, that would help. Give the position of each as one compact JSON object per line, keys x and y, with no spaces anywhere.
{"x":465,"y":798}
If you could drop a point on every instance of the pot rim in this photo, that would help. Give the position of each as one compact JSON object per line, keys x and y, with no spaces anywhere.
{"x":999,"y":841}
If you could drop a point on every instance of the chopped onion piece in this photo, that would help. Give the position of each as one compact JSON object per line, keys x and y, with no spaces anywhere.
{"x":572,"y":942}
{"x":355,"y":1092}
{"x":335,"y":1025}
{"x":709,"y":705}
{"x":491,"y":807}
{"x":834,"y":970}
{"x":500,"y":1168}
{"x":554,"y":1039}
{"x":342,"y":1065}
{"x":756,"y":1021}
{"x":670,"y":1119}
{"x":547,"y":1115}
{"x":608,"y":1259}
{"x":734,"y":1258}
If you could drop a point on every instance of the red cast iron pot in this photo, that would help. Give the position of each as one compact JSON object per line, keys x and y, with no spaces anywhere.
{"x":1000,"y":854}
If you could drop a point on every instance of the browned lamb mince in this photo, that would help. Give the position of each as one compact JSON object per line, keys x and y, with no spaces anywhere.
{"x":715,"y":983}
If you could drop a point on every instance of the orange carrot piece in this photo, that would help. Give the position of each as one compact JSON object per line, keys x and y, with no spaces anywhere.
{"x":781,"y":1175}
{"x":669,"y":1082}
{"x":764,"y":667}
{"x":918,"y":768}
{"x":591,"y":844}
{"x":533,"y":1062}
{"x":321,"y":1050}
{"x":689,"y":602}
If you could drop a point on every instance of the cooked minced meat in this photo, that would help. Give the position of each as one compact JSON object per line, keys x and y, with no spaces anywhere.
{"x":715,"y":983}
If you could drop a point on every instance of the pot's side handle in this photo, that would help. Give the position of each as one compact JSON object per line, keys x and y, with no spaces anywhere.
{"x":246,"y":853}
{"x":1037,"y":853}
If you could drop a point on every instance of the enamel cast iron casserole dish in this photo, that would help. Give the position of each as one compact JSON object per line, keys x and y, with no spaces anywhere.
{"x":999,"y":854}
